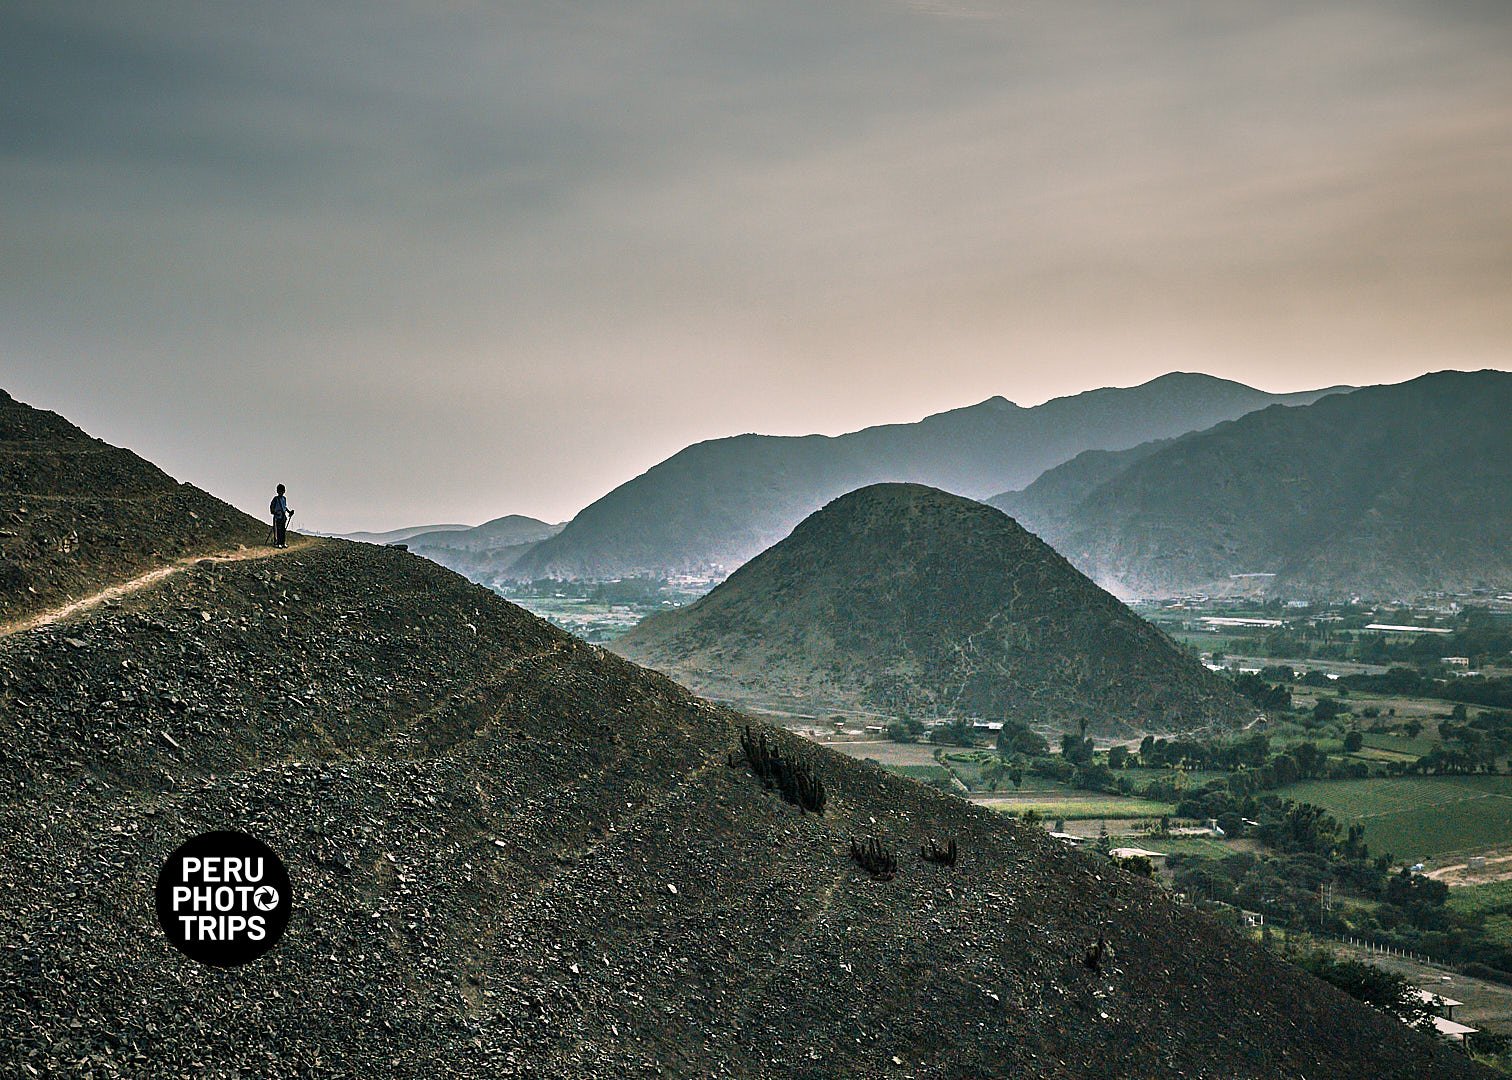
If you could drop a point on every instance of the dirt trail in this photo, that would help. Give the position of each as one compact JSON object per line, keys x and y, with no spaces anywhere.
{"x":1496,"y":868}
{"x":144,"y":581}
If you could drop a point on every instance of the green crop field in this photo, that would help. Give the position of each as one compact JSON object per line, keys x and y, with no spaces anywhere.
{"x":1082,"y":809}
{"x":1498,"y":929}
{"x":1492,"y":901}
{"x":1375,"y":754}
{"x":925,"y":774}
{"x":969,"y":769}
{"x":1419,"y":816}
{"x":1189,"y":845}
{"x":1035,"y":784}
{"x":1493,"y":898}
{"x":1400,"y":744}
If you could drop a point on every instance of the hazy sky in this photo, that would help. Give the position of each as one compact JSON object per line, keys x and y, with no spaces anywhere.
{"x":443,"y":261}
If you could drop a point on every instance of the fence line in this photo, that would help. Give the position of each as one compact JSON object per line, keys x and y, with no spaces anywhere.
{"x":1377,"y":949}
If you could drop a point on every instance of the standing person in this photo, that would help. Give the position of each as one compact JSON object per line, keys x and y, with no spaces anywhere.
{"x":279,"y":508}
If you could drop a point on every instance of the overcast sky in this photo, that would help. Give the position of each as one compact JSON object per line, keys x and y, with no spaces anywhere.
{"x":443,"y":261}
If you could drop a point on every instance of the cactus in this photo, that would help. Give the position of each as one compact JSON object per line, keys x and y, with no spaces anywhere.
{"x":873,"y":857}
{"x":792,"y":777}
{"x":1092,"y":959}
{"x":931,"y":852}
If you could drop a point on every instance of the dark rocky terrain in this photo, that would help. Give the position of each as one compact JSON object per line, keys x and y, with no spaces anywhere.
{"x":516,"y":855}
{"x":718,"y":503}
{"x":75,"y":511}
{"x":1388,"y":492}
{"x":905,"y":600}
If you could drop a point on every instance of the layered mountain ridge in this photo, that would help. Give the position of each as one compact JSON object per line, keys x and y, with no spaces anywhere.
{"x":1387,"y":492}
{"x":714,"y":505}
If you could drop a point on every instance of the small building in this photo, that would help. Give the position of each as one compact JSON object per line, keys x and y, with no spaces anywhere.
{"x":1395,"y":628}
{"x":1455,"y":661}
{"x":1454,"y":1032}
{"x":1443,"y":1017}
{"x":1157,"y":858}
{"x":1442,"y":1006}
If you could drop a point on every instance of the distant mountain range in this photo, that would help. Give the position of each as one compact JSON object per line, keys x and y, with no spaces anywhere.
{"x":714,"y":505}
{"x":908,"y":601}
{"x":488,"y":551}
{"x":1387,"y":492}
{"x":396,"y":536}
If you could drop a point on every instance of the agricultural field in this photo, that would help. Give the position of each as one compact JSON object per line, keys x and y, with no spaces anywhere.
{"x":975,"y":769}
{"x":1492,"y":903}
{"x":1078,"y":807}
{"x":1191,"y":778}
{"x":588,"y":619}
{"x":890,"y":755}
{"x":1482,"y":899}
{"x":1205,"y":846}
{"x":1400,"y":746}
{"x":1414,"y":818}
{"x":925,"y":774}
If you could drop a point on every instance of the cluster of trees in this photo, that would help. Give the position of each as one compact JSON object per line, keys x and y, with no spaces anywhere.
{"x":1304,"y":642}
{"x":1249,"y":752}
{"x":1282,"y":824}
{"x":1468,"y":689}
{"x":1443,"y":761}
{"x":1250,"y":762}
{"x":1478,"y":635}
{"x":1272,"y":696}
{"x":1309,"y":854}
{"x":1385,"y":990}
{"x":1485,"y":736}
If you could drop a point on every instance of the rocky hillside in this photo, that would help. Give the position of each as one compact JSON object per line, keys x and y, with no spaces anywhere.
{"x":905,"y":600}
{"x":75,"y":510}
{"x":1388,"y":492}
{"x":515,"y":855}
{"x":716,"y":504}
{"x":1045,"y":506}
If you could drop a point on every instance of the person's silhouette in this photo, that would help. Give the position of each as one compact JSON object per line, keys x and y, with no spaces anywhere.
{"x":279,"y":508}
